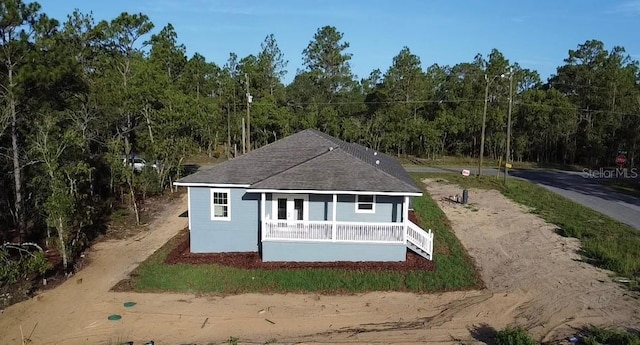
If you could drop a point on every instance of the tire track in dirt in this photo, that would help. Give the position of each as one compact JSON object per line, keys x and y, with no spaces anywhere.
{"x":445,"y":315}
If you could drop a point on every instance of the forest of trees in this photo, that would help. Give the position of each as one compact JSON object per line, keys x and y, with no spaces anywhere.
{"x":77,"y":96}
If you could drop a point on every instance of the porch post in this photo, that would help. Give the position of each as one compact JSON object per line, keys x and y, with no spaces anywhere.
{"x":263,"y":222}
{"x":405,"y":216}
{"x":334,"y":206}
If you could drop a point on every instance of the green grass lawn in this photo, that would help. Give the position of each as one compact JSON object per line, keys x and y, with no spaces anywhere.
{"x":610,"y":336}
{"x":605,"y":242}
{"x":472,"y":162}
{"x":454,"y":271}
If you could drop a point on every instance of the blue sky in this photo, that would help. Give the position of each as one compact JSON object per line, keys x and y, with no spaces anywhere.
{"x":535,"y":33}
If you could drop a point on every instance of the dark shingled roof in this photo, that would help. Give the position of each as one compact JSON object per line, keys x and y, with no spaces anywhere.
{"x":311,"y":160}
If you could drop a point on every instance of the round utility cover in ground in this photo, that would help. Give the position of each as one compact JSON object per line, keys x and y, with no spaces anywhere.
{"x":114,"y":317}
{"x":129,"y":304}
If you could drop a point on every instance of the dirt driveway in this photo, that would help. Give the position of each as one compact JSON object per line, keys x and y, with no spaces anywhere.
{"x":531,"y":274}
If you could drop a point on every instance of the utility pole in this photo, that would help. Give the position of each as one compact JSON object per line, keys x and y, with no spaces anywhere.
{"x":249,"y":100}
{"x":484,"y":118}
{"x":244,"y":138}
{"x":484,"y":123}
{"x":228,"y":131}
{"x":506,"y":161}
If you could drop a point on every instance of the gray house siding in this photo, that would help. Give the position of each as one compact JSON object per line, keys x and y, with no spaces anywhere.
{"x":320,"y":207}
{"x":239,"y":234}
{"x":326,"y":252}
{"x":387,"y":209}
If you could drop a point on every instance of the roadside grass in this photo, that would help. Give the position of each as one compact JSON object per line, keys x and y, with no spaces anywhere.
{"x":605,"y":242}
{"x":472,"y":162}
{"x":625,"y":186}
{"x":454,"y":271}
{"x":610,"y":336}
{"x":589,"y":335}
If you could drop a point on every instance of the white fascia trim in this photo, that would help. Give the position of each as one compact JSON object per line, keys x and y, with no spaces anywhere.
{"x":215,"y":185}
{"x":348,"y":192}
{"x":189,"y":213}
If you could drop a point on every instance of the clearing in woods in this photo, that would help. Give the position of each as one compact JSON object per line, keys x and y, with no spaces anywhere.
{"x":533,"y":276}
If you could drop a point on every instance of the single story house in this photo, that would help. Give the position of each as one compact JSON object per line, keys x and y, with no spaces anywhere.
{"x":308,"y":197}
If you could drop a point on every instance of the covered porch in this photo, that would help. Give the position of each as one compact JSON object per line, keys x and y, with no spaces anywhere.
{"x":284,"y":218}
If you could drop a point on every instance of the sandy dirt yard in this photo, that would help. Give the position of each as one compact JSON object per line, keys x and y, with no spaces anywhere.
{"x":533,"y":277}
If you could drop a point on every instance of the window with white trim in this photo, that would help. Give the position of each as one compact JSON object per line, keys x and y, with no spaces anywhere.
{"x":365,"y":203}
{"x":220,"y":204}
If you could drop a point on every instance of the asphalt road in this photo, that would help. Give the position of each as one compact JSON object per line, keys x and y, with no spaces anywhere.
{"x":573,"y":185}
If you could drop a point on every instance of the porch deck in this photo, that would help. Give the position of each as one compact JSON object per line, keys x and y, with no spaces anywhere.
{"x":408,"y":234}
{"x":330,"y":231}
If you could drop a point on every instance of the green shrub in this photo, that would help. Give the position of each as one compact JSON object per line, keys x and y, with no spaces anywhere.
{"x":148,"y":182}
{"x":514,"y":336}
{"x":15,"y":267}
{"x":605,"y":336}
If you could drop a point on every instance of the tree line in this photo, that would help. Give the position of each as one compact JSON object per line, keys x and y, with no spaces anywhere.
{"x":79,"y":98}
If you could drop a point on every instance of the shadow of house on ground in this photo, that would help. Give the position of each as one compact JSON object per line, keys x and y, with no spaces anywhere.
{"x":484,"y":333}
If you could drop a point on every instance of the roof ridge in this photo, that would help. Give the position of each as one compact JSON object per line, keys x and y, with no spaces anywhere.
{"x":379,"y":169}
{"x":327,"y":138}
{"x":342,"y":144}
{"x":291,"y":167}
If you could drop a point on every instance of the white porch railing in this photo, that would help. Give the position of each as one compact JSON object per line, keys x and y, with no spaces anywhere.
{"x":421,"y":239}
{"x":370,"y":232}
{"x":297,"y":230}
{"x":324,"y":231}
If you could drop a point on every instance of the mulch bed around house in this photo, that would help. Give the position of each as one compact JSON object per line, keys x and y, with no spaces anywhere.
{"x":413,"y":217}
{"x":181,"y":254}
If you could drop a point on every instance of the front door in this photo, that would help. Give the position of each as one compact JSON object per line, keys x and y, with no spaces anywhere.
{"x":291,"y":207}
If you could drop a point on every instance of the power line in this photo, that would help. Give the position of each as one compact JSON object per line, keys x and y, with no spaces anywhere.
{"x":579,"y":85}
{"x":432,"y":101}
{"x":468,"y":101}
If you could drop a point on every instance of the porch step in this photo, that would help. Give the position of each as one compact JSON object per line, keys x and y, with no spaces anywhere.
{"x":418,"y":251}
{"x":419,"y":241}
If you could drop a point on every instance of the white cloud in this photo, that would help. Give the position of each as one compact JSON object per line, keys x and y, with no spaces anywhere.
{"x":630,"y":8}
{"x":242,"y":8}
{"x":208,"y":29}
{"x":536,"y":62}
{"x":520,"y":19}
